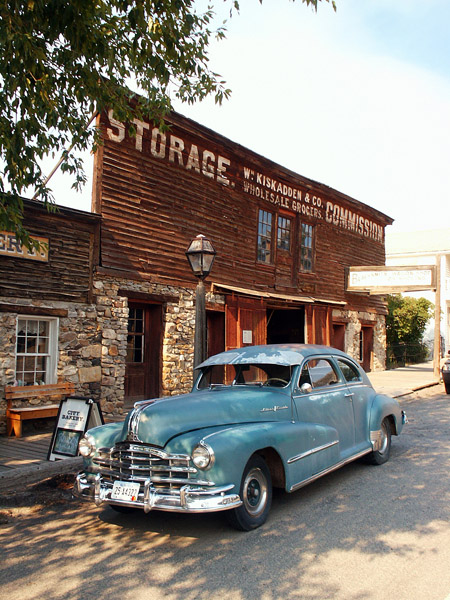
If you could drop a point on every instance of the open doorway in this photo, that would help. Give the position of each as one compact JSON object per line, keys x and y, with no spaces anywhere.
{"x":286,"y":326}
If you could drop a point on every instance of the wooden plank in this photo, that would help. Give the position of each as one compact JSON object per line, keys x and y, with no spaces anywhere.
{"x":67,"y":275}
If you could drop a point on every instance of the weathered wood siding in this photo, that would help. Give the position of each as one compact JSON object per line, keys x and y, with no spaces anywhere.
{"x":155,"y":194}
{"x":72,"y":252}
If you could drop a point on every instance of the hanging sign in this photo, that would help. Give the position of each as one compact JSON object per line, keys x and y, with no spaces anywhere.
{"x":75,"y":416}
{"x":382,"y":280}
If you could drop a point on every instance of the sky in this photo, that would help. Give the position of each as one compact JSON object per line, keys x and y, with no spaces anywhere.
{"x":357,"y":99}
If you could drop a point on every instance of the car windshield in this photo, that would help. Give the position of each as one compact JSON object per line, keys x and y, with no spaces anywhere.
{"x":245,"y":375}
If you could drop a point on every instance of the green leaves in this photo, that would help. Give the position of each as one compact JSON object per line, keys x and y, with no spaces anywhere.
{"x":407,"y":319}
{"x":62,"y":59}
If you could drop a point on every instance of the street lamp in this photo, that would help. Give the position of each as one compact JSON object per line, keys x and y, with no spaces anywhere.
{"x":200,"y":255}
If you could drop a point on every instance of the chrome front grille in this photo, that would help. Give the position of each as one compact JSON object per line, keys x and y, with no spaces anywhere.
{"x":139,"y":462}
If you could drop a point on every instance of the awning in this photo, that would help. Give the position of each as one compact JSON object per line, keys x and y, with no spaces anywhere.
{"x":273,"y":296}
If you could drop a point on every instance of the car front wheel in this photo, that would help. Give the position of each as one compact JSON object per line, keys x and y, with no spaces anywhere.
{"x":378,"y":457}
{"x":256,"y":496}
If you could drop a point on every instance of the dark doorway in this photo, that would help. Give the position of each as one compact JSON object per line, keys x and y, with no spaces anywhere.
{"x":366,"y":347}
{"x":142,"y":371}
{"x":286,"y":326}
{"x":215,"y":326}
{"x":338,"y":336}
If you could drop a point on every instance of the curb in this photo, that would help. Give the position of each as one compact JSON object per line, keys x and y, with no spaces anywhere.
{"x":23,"y":476}
{"x":417,"y":389}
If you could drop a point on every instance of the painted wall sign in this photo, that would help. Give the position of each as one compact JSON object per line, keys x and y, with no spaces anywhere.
{"x":9,"y":246}
{"x":306,"y":203}
{"x":211,"y":164}
{"x":395,"y":279}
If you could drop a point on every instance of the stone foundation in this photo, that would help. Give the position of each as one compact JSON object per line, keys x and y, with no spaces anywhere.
{"x":354,"y":321}
{"x":92,"y":339}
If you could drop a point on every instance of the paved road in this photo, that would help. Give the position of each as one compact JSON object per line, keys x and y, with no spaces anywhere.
{"x":362,"y":533}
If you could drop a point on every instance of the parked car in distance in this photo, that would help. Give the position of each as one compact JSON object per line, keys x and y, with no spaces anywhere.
{"x":257,"y":417}
{"x":445,"y":372}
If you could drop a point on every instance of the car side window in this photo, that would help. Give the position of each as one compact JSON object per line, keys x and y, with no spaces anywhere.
{"x":349,"y":371}
{"x":321,"y":373}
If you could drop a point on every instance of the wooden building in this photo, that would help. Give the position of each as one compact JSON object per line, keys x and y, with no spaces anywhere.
{"x":48,"y":323}
{"x":108,"y":307}
{"x":283,"y":244}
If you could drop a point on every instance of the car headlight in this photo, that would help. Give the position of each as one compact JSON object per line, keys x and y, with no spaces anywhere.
{"x":86,"y":447}
{"x":203,"y":456}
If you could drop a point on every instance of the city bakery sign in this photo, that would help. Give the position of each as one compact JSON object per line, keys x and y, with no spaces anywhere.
{"x":174,"y":149}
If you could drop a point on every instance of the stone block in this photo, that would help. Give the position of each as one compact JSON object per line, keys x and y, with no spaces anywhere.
{"x":90,"y":374}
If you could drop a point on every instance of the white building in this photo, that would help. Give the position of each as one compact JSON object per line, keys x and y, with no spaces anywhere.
{"x":430,"y":247}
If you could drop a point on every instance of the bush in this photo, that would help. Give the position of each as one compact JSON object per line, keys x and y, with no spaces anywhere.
{"x":405,"y":325}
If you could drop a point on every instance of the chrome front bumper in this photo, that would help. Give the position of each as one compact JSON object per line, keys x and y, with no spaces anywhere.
{"x":186,"y":499}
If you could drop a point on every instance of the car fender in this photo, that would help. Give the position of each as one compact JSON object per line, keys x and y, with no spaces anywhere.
{"x":105,"y":436}
{"x":384,"y":406}
{"x":233,"y":445}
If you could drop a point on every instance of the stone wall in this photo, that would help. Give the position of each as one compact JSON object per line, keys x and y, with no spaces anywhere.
{"x":79,"y":346}
{"x":92,"y":339}
{"x":354,"y":321}
{"x":178,"y":334}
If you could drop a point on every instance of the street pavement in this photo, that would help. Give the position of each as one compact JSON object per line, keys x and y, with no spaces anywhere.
{"x":361,"y":533}
{"x":34,"y":465}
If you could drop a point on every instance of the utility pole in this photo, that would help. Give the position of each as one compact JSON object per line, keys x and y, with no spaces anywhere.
{"x":437,"y":319}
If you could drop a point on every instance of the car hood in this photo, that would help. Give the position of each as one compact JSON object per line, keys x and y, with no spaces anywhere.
{"x":157,"y":421}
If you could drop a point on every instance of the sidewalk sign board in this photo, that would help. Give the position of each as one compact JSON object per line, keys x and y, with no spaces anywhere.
{"x":76,"y":415}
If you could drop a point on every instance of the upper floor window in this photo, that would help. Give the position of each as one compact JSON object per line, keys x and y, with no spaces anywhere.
{"x":306,"y":247}
{"x":265,"y":232}
{"x":36,"y":350}
{"x":284,"y":233}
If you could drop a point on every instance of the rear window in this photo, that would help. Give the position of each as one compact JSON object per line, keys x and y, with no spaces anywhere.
{"x":349,"y":371}
{"x":319,"y":373}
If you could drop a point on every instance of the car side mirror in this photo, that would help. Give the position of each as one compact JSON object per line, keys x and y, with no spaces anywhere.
{"x":306,"y":388}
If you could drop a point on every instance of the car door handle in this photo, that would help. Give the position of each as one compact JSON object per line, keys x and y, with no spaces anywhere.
{"x":349,"y":396}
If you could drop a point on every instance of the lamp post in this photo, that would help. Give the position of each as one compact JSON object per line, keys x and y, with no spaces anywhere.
{"x":200,"y":255}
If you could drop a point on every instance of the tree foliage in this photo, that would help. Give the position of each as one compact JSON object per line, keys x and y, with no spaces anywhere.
{"x":63,"y":60}
{"x":405,"y":324}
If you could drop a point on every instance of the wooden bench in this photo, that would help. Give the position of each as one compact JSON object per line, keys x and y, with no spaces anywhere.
{"x":15,"y":416}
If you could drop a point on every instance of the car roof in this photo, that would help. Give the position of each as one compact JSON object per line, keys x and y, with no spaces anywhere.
{"x":277,"y":354}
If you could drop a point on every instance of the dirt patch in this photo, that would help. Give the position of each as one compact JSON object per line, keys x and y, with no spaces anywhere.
{"x":53,"y":490}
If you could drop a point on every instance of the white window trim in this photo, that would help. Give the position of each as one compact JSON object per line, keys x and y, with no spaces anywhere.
{"x":53,"y":335}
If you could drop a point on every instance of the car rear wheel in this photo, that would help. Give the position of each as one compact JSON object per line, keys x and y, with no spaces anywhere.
{"x":380,"y":456}
{"x":256,"y":496}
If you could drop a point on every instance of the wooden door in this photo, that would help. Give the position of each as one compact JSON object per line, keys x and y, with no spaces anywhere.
{"x":215,"y":328}
{"x":318,"y":325}
{"x":245,"y":323}
{"x":142,"y":370}
{"x":338,"y":336}
{"x":366,"y":347}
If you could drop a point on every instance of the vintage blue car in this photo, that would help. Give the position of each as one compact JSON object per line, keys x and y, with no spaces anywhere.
{"x":259,"y":416}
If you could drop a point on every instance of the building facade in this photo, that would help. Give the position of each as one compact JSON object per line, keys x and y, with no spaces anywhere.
{"x":283,"y":245}
{"x":111,"y":307}
{"x":48,"y":321}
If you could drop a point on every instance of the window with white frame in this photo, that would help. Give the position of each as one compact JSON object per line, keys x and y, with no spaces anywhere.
{"x":36,"y":350}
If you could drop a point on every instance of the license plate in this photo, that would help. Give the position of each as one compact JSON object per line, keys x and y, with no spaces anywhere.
{"x":125,"y":490}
